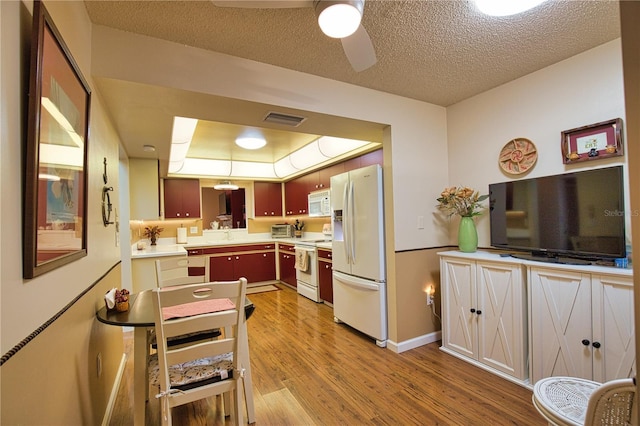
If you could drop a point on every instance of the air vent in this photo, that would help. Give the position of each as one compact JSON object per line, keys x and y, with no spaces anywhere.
{"x":287,"y":120}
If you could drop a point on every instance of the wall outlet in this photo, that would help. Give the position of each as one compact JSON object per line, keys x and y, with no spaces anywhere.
{"x":429,"y":299}
{"x":193,"y":230}
{"x":420,"y":222}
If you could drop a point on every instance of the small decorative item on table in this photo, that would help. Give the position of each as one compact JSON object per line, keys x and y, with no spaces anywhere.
{"x":122,"y":300}
{"x":152,"y":232}
{"x":465,"y":202}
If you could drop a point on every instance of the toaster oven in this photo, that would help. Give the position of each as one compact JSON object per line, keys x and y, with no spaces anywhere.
{"x":281,"y":231}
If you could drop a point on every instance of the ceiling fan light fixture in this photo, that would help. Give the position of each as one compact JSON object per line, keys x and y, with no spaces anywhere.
{"x":339,"y":19}
{"x":251,"y":142}
{"x":506,"y":7}
{"x":225,"y":185}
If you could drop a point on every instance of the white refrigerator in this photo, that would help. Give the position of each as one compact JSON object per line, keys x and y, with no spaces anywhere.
{"x":359,"y":272}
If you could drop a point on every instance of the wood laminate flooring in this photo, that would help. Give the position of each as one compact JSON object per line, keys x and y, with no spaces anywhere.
{"x":308,"y":370}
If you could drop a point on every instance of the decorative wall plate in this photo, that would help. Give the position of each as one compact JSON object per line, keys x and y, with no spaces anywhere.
{"x":518,"y":156}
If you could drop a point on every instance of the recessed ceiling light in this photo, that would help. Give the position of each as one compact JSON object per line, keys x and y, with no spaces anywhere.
{"x":251,"y":142}
{"x":506,"y":7}
{"x":148,"y":148}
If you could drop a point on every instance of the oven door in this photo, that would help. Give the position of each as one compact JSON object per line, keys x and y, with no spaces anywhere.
{"x":307,"y":280}
{"x":309,"y":275}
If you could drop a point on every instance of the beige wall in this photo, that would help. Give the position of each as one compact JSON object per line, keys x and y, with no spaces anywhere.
{"x":416,"y":270}
{"x":54,"y":378}
{"x":27,"y":304}
{"x":539,"y":106}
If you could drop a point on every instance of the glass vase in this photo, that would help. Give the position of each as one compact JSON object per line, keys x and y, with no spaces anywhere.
{"x":467,"y":235}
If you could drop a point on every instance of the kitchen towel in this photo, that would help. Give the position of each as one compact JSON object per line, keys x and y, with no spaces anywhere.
{"x":302,"y":260}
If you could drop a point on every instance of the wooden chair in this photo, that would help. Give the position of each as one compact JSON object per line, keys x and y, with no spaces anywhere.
{"x":181,"y":271}
{"x":198,"y":370}
{"x":576,"y":402}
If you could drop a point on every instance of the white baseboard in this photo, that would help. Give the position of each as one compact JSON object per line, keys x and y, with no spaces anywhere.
{"x":106,"y":419}
{"x":414,"y":343}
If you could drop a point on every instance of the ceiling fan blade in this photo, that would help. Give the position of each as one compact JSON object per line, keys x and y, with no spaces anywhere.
{"x":263,"y":4}
{"x":359,"y":50}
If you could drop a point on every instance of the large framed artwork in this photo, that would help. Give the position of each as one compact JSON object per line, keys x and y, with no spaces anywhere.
{"x":55,"y":196}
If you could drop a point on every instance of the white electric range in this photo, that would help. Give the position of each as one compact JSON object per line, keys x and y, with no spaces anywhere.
{"x":307,"y":280}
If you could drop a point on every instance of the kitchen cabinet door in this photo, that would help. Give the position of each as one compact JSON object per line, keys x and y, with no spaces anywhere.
{"x":267,"y":199}
{"x":325,"y":174}
{"x":255,"y":267}
{"x":613,"y":328}
{"x":484,"y":312}
{"x":582,"y":325}
{"x":181,"y":198}
{"x":325,"y":280}
{"x":373,"y":157}
{"x":560,"y":323}
{"x":287,"y":262}
{"x":295,"y":197}
{"x":221,"y":268}
{"x":502,"y":336}
{"x":459,"y":330}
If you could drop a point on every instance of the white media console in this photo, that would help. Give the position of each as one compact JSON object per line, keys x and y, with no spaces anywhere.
{"x":525,"y":320}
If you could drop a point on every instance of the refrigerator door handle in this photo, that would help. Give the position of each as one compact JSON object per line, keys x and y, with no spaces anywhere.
{"x":345,"y":223}
{"x":356,"y":283}
{"x":352,"y":224}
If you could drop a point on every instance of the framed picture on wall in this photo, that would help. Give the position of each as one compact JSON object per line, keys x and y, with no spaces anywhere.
{"x":593,"y":142}
{"x":55,"y":199}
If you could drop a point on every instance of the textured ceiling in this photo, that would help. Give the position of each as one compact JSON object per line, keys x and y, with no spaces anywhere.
{"x":440,"y":52}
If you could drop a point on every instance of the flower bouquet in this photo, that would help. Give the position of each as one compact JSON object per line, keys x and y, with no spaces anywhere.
{"x":464,"y":202}
{"x":122,"y":300}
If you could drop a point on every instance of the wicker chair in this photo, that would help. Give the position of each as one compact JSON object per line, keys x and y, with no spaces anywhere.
{"x":577,"y":402}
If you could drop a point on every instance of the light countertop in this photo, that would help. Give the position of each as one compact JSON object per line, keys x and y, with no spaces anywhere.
{"x":169,"y":248}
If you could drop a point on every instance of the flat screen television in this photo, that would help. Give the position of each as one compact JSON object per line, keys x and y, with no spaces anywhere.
{"x":569,"y":218}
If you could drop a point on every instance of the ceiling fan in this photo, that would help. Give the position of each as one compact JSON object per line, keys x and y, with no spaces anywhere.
{"x":337,"y":19}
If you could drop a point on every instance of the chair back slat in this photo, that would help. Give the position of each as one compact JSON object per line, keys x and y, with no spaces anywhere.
{"x":224,"y":290}
{"x":180,"y":271}
{"x":180,"y":326}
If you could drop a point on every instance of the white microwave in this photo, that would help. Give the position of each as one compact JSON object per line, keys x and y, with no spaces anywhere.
{"x":320,"y":203}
